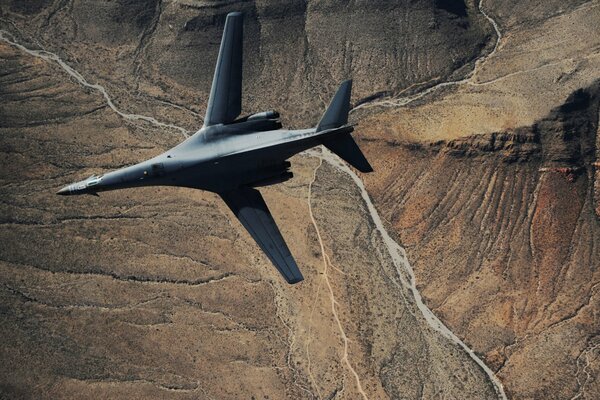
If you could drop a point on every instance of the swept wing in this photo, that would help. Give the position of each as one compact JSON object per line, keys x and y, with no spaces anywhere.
{"x":250,"y":208}
{"x":225,"y":102}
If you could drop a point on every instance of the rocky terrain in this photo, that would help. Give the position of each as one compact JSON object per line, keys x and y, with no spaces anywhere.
{"x":481,"y":120}
{"x":492,"y":185}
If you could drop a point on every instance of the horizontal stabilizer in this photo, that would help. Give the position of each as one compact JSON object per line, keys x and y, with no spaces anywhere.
{"x":346,"y":148}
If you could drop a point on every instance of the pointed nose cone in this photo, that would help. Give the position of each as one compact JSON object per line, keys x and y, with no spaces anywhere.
{"x":64,"y":191}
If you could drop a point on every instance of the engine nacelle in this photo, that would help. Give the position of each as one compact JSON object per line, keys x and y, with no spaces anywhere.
{"x":272,"y":174}
{"x":271,"y":114}
{"x":284,"y":176}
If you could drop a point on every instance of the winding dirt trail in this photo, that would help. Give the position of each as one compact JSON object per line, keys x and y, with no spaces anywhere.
{"x":396,"y":252}
{"x":405,"y":271}
{"x":48,"y":56}
{"x":334,"y":303}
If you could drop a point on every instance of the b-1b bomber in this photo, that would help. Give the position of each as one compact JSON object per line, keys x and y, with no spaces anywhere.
{"x":232,"y":155}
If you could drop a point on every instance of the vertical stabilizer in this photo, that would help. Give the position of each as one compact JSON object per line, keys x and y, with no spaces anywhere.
{"x":339,"y":141}
{"x":337,"y":112}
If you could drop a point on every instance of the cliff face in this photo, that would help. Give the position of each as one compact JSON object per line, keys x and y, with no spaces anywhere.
{"x":489,"y":180}
{"x":503,"y":232}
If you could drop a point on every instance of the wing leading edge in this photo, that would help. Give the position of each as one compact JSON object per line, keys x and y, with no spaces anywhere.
{"x":225,"y":102}
{"x":250,"y":208}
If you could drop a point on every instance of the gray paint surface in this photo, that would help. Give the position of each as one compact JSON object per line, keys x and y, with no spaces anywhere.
{"x":232,"y":156}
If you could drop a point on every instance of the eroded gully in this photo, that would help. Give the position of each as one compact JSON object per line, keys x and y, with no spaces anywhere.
{"x":396,"y":252}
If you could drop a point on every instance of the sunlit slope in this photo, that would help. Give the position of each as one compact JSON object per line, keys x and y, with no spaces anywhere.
{"x":491,"y":184}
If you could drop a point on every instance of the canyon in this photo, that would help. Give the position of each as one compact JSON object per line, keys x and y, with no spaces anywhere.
{"x":464,"y":267}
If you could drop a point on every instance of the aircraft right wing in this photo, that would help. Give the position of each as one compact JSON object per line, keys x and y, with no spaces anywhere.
{"x":225,"y":102}
{"x":250,"y":208}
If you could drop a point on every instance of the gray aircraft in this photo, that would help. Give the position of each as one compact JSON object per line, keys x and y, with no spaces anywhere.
{"x":233,"y":156}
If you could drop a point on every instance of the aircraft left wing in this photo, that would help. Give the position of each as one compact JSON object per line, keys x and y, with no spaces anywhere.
{"x":225,"y":102}
{"x":250,"y":208}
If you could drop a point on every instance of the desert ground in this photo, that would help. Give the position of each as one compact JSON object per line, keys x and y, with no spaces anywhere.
{"x":464,"y":267}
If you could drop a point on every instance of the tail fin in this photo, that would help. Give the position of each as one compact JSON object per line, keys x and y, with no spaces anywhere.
{"x":341,"y":143}
{"x":337,"y":112}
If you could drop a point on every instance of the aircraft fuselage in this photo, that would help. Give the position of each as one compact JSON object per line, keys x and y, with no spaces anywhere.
{"x":217,"y":158}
